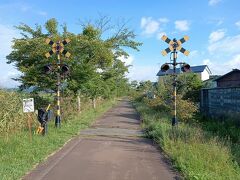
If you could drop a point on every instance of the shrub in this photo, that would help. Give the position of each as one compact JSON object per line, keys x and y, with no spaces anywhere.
{"x":185,"y":109}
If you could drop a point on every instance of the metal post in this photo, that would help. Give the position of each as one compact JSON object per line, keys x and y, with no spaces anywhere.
{"x":58,"y":48}
{"x":58,"y":115}
{"x":174,"y":119}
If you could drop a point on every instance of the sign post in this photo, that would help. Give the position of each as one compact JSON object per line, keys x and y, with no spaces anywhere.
{"x":28,"y":107}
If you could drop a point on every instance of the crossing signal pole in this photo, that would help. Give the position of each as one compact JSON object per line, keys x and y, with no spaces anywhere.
{"x":58,"y":48}
{"x":174,"y":46}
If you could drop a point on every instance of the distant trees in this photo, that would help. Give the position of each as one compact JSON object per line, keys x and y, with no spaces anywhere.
{"x":188,"y":94}
{"x":188,"y":86}
{"x":95,"y":68}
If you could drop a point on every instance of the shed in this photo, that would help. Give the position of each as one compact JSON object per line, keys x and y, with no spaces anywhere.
{"x":231,"y":79}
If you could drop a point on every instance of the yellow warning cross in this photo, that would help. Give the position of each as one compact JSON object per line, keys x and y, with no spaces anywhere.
{"x":175,"y":45}
{"x":58,"y":47}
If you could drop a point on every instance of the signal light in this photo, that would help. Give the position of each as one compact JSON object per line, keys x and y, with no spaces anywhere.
{"x":65,"y":69}
{"x":47,"y":69}
{"x":164,"y":67}
{"x":185,"y":68}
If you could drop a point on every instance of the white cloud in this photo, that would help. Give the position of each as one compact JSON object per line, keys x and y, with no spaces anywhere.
{"x":213,"y":2}
{"x":128,"y":60}
{"x":235,"y":62}
{"x":216,"y":35}
{"x":193,"y":54}
{"x":7,"y":33}
{"x":228,"y":45}
{"x":220,"y":68}
{"x":163,"y":20}
{"x":143,"y":72}
{"x":6,"y":80}
{"x":182,"y":25}
{"x":160,"y":34}
{"x":238,"y":24}
{"x":149,"y":25}
{"x":216,"y":21}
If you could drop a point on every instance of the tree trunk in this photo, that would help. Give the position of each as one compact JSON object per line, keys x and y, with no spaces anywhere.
{"x":79,"y":103}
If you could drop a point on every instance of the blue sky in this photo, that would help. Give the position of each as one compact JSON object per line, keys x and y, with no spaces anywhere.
{"x":212,"y":25}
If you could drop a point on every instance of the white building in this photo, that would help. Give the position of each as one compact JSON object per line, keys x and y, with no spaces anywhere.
{"x":203,"y":71}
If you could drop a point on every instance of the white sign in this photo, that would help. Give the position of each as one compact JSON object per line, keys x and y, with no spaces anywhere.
{"x":28,"y":105}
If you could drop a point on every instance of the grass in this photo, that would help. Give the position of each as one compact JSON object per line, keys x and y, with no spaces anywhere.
{"x":18,"y":154}
{"x":195,"y":152}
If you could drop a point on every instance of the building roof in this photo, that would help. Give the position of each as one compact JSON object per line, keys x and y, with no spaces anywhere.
{"x":229,"y":73}
{"x":195,"y":69}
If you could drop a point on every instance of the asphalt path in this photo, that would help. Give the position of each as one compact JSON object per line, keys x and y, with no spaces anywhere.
{"x":112,"y":149}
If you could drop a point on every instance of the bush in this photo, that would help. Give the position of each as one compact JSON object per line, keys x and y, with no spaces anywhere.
{"x":158,"y":104}
{"x":186,"y":109}
{"x":196,"y":153}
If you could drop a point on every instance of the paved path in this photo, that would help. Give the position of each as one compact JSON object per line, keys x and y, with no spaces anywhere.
{"x":112,"y":149}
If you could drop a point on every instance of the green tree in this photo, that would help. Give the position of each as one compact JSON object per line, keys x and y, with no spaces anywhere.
{"x":94,"y":63}
{"x":28,"y":55}
{"x":134,"y":84}
{"x":189,"y":86}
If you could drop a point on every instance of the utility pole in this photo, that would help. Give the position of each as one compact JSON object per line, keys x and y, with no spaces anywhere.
{"x":174,"y":46}
{"x":58,"y":48}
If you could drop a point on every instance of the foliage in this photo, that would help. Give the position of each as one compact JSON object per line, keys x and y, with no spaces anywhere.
{"x":163,"y":100}
{"x":158,"y":104}
{"x":186,"y":109}
{"x":94,"y":62}
{"x":196,"y":153}
{"x":134,"y":84}
{"x":189,"y":86}
{"x":145,"y":86}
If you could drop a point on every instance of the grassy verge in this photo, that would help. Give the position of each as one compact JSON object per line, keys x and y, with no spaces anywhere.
{"x":18,"y":154}
{"x":196,"y":153}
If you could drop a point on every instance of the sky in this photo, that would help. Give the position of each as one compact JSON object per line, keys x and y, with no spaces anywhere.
{"x":213,"y":27}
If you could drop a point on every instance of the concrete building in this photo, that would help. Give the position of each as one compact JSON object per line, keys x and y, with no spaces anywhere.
{"x":203,"y":71}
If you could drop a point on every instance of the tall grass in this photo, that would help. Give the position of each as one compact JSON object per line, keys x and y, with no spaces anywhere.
{"x":196,"y":153}
{"x":11,"y":115}
{"x":18,"y":154}
{"x":12,"y":118}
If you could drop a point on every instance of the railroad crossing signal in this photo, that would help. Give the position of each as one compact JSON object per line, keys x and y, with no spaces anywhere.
{"x":49,"y":68}
{"x":58,"y":47}
{"x":175,"y":45}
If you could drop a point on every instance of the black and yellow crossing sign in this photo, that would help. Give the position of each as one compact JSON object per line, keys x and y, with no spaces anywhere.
{"x":58,"y":47}
{"x":175,"y":45}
